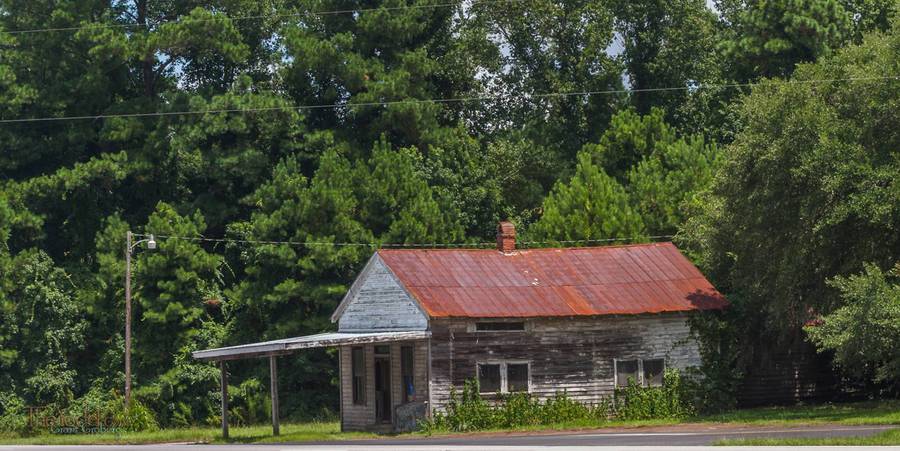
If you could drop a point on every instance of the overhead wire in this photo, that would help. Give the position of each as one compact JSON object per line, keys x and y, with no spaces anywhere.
{"x":433,"y":245}
{"x":434,"y":101}
{"x":259,"y":16}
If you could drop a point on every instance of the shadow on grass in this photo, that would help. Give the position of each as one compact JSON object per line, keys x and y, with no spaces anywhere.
{"x":869,"y":412}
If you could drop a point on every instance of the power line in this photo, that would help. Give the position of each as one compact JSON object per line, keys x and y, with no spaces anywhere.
{"x":394,"y":245}
{"x":95,"y":26}
{"x":433,"y":101}
{"x":596,"y":241}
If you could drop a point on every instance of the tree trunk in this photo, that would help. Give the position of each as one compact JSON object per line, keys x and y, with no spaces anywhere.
{"x":148,"y":77}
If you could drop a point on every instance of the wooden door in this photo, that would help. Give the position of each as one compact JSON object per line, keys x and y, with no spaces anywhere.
{"x":383,"y":389}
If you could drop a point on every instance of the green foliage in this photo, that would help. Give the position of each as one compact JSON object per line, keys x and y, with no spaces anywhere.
{"x":662,"y":172}
{"x":397,"y":204}
{"x":13,"y":414}
{"x":641,"y":178}
{"x":870,"y":15}
{"x":666,"y":43}
{"x":470,"y":411}
{"x":465,"y":412}
{"x":42,"y":329}
{"x":806,"y":192}
{"x":768,"y":38}
{"x":136,"y":417}
{"x":864,"y":333}
{"x":95,"y":408}
{"x":209,"y":162}
{"x":672,"y":400}
{"x":384,"y":167}
{"x":111,"y":406}
{"x":176,"y":281}
{"x":592,"y":205}
{"x":665,"y":186}
{"x":715,"y":382}
{"x":251,"y":403}
{"x":71,"y":202}
{"x":630,"y":139}
{"x":541,"y":50}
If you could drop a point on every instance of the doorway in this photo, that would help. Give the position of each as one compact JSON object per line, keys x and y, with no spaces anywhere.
{"x":383,"y":389}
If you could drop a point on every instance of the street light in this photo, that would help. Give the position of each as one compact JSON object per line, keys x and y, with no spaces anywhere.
{"x":129,"y":250}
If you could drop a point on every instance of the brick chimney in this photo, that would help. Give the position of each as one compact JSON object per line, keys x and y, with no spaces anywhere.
{"x":506,"y":237}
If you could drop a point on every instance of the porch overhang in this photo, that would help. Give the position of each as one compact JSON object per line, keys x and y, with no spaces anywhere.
{"x":288,"y":345}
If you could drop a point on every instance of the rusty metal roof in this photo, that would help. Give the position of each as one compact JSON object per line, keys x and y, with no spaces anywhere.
{"x":486,"y":283}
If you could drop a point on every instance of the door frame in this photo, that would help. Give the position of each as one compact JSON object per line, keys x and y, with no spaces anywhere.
{"x":383,"y":361}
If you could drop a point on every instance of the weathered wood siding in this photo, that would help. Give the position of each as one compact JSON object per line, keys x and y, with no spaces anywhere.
{"x":355,"y":417}
{"x":378,"y":302}
{"x":569,"y":354}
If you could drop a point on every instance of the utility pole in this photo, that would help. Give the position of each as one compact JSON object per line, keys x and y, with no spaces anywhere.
{"x":129,"y":250}
{"x":128,"y":237}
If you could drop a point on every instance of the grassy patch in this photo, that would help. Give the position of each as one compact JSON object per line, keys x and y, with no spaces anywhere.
{"x":891,"y":437}
{"x":300,"y":432}
{"x":561,"y":426}
{"x":883,"y":412}
{"x":859,"y":413}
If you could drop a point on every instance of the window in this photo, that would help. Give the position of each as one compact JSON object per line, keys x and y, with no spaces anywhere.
{"x":500,"y":326}
{"x":383,"y":349}
{"x":647,"y":372}
{"x":517,"y":377}
{"x":406,"y":373}
{"x":489,"y":377}
{"x":503,"y":377}
{"x":653,"y":372}
{"x":358,"y":375}
{"x":627,"y":370}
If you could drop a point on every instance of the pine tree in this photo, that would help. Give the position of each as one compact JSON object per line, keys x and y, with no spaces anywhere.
{"x":768,"y":38}
{"x":592,"y":205}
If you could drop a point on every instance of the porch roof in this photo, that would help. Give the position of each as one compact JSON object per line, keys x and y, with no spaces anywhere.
{"x":287,"y":345}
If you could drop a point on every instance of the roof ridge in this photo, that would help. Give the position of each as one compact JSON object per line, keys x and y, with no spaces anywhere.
{"x":491,"y":249}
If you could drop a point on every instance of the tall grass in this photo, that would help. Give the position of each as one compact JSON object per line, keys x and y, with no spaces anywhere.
{"x":469,"y":411}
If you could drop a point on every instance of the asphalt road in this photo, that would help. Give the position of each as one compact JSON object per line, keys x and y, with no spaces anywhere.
{"x":508,"y":442}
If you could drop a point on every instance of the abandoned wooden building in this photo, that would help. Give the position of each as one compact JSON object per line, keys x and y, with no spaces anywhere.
{"x":417,"y":322}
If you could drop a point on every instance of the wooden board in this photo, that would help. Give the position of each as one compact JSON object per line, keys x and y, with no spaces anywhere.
{"x":571,"y":355}
{"x":378,"y":302}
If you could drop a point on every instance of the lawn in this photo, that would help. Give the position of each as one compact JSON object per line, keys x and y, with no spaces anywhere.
{"x":883,"y":412}
{"x":297,"y":432}
{"x":891,"y":437}
{"x":858,"y":413}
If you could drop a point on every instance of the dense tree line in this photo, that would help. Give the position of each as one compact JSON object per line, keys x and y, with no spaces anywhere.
{"x":277,"y":121}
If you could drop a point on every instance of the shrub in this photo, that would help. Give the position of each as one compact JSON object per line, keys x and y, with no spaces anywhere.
{"x":469,"y":411}
{"x":714,"y":384}
{"x":13,"y":418}
{"x":111,"y":406}
{"x":672,"y":400}
{"x":136,"y":418}
{"x":519,"y":409}
{"x":93,"y":410}
{"x":561,"y":408}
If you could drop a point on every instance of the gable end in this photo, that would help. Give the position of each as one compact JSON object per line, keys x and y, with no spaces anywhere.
{"x":377,"y":301}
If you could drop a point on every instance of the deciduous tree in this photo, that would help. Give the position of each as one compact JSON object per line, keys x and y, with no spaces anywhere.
{"x":808,"y":190}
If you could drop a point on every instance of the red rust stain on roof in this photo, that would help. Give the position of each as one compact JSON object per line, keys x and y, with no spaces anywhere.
{"x":586,"y":281}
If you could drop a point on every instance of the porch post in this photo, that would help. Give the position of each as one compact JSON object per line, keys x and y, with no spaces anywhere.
{"x":224,"y":381}
{"x":273,"y":383}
